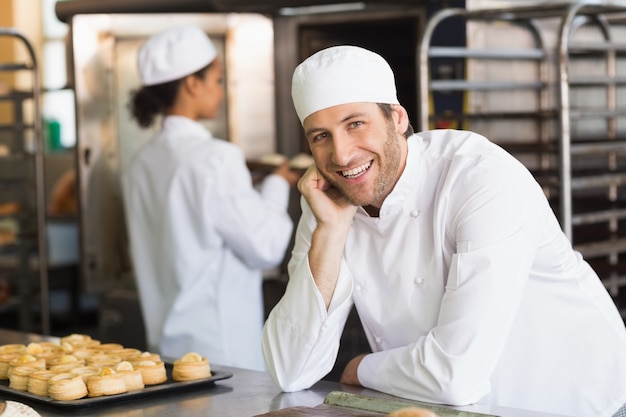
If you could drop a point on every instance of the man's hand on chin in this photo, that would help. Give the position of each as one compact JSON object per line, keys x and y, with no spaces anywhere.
{"x":350,"y":374}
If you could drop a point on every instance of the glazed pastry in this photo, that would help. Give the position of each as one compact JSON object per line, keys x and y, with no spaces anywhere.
{"x":190,"y":367}
{"x":76,"y":339}
{"x":65,"y":363}
{"x":38,"y":382}
{"x":132,"y":376}
{"x":42,"y":348}
{"x":26,"y":360}
{"x":152,"y":372}
{"x":145,"y":356}
{"x":107,"y":382}
{"x":66,"y":386}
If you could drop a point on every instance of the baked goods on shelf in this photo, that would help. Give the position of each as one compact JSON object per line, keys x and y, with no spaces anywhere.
{"x":8,"y":208}
{"x":190,"y":367}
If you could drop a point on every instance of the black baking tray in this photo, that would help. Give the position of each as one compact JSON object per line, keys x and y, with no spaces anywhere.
{"x":169,"y":386}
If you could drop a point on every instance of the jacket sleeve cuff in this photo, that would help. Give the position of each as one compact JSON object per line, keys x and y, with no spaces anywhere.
{"x":275,"y":188}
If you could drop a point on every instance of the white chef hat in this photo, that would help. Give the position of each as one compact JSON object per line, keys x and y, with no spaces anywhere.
{"x":341,"y":75}
{"x":174,"y":54}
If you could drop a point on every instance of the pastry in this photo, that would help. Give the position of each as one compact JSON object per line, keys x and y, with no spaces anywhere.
{"x":79,"y":341}
{"x":132,"y":376}
{"x":125,"y":353}
{"x":412,"y":412}
{"x":5,"y":359}
{"x":301,"y":161}
{"x":66,"y":386}
{"x":145,"y":356}
{"x":18,"y":378}
{"x":152,"y":372}
{"x":79,"y":366}
{"x":38,"y":382}
{"x":190,"y":367}
{"x":102,"y":360}
{"x":84,"y":353}
{"x":26,"y":360}
{"x":106,"y":382}
{"x":42,"y":348}
{"x":107,"y":347}
{"x":275,"y":159}
{"x":85,"y":371}
{"x":65,"y":363}
{"x":12,"y":348}
{"x":76,"y":339}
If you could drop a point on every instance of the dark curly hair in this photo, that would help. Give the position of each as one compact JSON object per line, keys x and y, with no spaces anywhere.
{"x":147,"y":102}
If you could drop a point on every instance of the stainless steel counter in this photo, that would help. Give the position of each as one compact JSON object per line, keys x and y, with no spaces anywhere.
{"x":246,"y":394}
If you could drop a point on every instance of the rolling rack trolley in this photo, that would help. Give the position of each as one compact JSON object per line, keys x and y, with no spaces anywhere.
{"x":22,"y":194}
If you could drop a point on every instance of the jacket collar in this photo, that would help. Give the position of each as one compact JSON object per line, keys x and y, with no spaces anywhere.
{"x":175,"y":125}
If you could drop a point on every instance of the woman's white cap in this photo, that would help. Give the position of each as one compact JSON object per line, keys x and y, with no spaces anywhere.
{"x":341,"y":75}
{"x":174,"y":54}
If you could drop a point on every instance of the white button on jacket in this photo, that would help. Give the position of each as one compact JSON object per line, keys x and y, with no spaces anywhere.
{"x":507,"y":313}
{"x":200,"y":235}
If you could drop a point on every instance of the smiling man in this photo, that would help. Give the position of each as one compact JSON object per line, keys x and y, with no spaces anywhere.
{"x":467,"y":288}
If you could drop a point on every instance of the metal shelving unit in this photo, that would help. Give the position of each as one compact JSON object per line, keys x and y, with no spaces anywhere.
{"x":23,"y":261}
{"x":593,"y":136}
{"x":566,"y":121}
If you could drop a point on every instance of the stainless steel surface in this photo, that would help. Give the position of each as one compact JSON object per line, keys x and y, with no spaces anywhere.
{"x":246,"y":394}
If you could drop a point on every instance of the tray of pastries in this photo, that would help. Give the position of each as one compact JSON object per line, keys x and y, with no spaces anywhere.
{"x":80,"y":371}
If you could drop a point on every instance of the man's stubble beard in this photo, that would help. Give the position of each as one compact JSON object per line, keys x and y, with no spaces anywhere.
{"x":384,"y":182}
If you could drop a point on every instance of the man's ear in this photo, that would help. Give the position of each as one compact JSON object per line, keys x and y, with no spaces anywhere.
{"x":400,"y":118}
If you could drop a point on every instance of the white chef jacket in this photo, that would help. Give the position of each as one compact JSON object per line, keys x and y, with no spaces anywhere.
{"x":199,"y":236}
{"x":467,"y":289}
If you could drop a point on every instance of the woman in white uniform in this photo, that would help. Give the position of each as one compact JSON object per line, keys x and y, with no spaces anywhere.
{"x":467,"y":288}
{"x":200,"y":233}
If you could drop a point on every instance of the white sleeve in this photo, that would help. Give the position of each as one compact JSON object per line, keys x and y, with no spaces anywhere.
{"x":254,"y":224}
{"x":301,"y":338}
